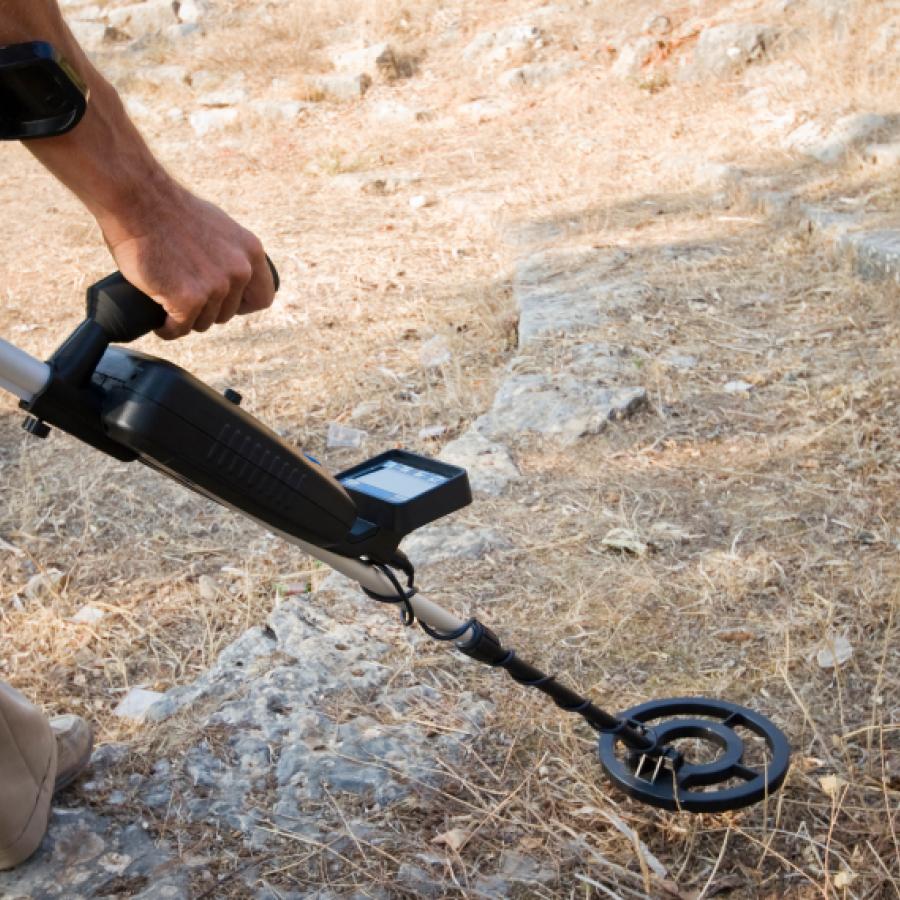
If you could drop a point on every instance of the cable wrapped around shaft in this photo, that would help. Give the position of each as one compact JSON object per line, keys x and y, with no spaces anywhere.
{"x":485,"y":647}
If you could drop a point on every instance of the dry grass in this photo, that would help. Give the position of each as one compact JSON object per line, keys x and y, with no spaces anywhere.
{"x":780,"y":508}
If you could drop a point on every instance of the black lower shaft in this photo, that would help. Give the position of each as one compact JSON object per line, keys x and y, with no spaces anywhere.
{"x":485,"y":646}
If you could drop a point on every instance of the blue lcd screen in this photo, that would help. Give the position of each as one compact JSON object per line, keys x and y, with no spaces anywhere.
{"x":395,"y":482}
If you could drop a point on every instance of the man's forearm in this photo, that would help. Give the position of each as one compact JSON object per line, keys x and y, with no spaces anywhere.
{"x":107,"y":163}
{"x":185,"y":253}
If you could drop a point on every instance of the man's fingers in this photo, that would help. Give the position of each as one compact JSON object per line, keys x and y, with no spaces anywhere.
{"x":232,"y":302}
{"x":260,"y":291}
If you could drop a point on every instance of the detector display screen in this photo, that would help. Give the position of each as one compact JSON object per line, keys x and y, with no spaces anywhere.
{"x":395,"y":481}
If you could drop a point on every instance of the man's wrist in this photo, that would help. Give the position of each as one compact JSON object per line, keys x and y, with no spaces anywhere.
{"x":106,"y":163}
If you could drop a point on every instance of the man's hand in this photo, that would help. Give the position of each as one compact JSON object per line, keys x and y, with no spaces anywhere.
{"x":183,"y":252}
{"x":190,"y":257}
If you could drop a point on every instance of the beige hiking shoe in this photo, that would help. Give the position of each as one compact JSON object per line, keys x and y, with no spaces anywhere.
{"x":74,"y":742}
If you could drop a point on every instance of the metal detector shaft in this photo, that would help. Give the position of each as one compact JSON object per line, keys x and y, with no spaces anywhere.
{"x":478,"y":642}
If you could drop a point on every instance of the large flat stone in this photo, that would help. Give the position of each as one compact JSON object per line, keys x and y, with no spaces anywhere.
{"x":564,"y":292}
{"x":489,"y":464}
{"x":85,"y":855}
{"x":563,"y":407}
{"x":270,"y":699}
{"x":876,"y":254}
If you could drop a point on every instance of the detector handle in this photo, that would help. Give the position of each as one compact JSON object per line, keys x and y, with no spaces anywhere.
{"x":125,"y":313}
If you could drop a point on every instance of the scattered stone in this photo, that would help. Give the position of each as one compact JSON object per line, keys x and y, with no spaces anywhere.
{"x":430,"y":432}
{"x":737,"y":387}
{"x":344,"y":436}
{"x":372,"y":61}
{"x":682,"y":361}
{"x":191,"y":12}
{"x":657,"y":24}
{"x":89,"y":615}
{"x":832,"y":146}
{"x":420,"y":201}
{"x":484,"y":110}
{"x":724,"y":50}
{"x":282,"y":110}
{"x":420,"y":882}
{"x":489,"y":465}
{"x":535,"y":74}
{"x":159,"y":76}
{"x":143,"y":18}
{"x":451,"y":540}
{"x":392,"y":112}
{"x":92,"y":36}
{"x":377,"y":182}
{"x":342,"y":87}
{"x":876,"y":253}
{"x":224,"y":97}
{"x":498,"y":46}
{"x":208,"y":588}
{"x":887,"y":41}
{"x":435,"y":352}
{"x":563,"y":407}
{"x":633,"y":56}
{"x":86,"y":855}
{"x":625,"y":539}
{"x":835,"y":653}
{"x":884,"y":155}
{"x":137,"y":703}
{"x":204,"y":121}
{"x":517,"y":867}
{"x":43,"y":583}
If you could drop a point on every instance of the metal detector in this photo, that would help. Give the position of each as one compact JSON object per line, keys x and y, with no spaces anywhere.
{"x":133,"y":406}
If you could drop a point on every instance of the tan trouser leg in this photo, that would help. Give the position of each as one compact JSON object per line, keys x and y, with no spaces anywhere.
{"x":27,"y":773}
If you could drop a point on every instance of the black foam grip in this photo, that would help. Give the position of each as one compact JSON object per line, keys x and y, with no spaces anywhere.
{"x":122,"y":311}
{"x":125,"y":313}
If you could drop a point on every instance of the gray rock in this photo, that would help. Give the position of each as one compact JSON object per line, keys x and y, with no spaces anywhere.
{"x":657,"y":24}
{"x":192,"y":12}
{"x":91,"y":35}
{"x":267,"y":695}
{"x":563,"y":407}
{"x":833,"y":145}
{"x":419,"y":881}
{"x":597,"y":362}
{"x":498,"y":46}
{"x":724,"y":50}
{"x":535,"y":74}
{"x":392,"y":112}
{"x":452,"y":540}
{"x":205,"y":121}
{"x":85,"y":855}
{"x":372,"y":60}
{"x":563,"y":292}
{"x":377,"y":182}
{"x":489,"y":464}
{"x":883,"y":155}
{"x":282,"y":110}
{"x":876,"y":253}
{"x":138,"y":19}
{"x":342,"y":87}
{"x":633,"y":56}
{"x":518,"y":867}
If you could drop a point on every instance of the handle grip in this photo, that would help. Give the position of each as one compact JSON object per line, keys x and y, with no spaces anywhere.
{"x":125,"y":313}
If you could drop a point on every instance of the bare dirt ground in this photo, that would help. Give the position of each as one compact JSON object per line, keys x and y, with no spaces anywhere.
{"x":770,"y":513}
